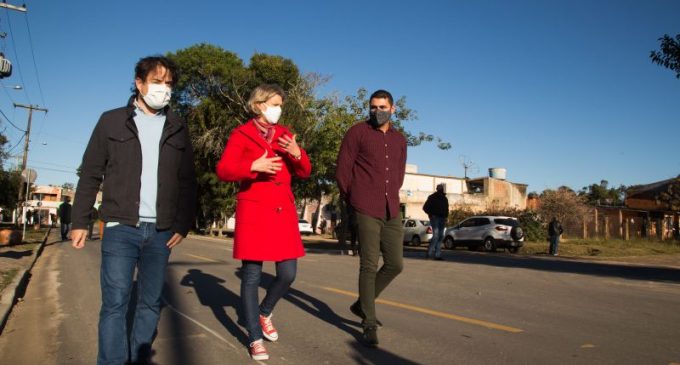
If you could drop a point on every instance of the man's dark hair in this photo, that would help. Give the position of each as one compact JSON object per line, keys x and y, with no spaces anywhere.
{"x":380,"y":94}
{"x":147,"y":64}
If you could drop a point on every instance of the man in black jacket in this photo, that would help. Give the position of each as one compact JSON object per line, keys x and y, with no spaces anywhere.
{"x":65,"y":218}
{"x":554,"y":232}
{"x":143,"y":156}
{"x":437,"y":208}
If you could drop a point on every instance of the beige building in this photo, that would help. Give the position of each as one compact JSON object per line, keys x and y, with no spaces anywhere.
{"x":45,"y":200}
{"x":477,"y":194}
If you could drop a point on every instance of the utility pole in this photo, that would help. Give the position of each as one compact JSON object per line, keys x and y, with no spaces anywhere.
{"x":24,"y":168}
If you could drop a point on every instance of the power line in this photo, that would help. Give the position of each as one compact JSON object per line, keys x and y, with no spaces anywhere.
{"x":10,"y":122}
{"x":35,"y":65}
{"x":16,"y":144}
{"x":57,"y":170}
{"x":52,"y":164}
{"x":7,"y":92}
{"x":16,"y":55}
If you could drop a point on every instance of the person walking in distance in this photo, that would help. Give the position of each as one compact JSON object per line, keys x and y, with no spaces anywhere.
{"x":554,"y":232}
{"x":370,"y":170}
{"x":263,"y":157}
{"x":143,"y":154}
{"x":437,"y":208}
{"x":64,"y":212}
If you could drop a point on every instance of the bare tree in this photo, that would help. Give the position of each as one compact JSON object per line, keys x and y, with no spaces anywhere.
{"x":563,"y":204}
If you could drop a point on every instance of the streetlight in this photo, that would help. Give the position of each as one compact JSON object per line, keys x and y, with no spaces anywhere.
{"x":14,"y":87}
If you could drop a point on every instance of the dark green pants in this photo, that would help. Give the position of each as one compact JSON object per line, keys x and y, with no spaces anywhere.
{"x":377,"y":236}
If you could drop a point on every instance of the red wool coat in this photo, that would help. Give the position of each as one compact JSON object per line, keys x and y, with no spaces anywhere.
{"x":266,"y":217}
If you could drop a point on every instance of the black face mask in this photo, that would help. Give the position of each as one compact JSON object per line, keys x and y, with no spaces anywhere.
{"x":379,"y":117}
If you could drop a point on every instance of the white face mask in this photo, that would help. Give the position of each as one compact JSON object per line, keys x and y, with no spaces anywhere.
{"x":272,"y":114}
{"x":157,"y":96}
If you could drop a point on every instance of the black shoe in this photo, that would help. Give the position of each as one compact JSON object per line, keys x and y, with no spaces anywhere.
{"x":370,"y":336}
{"x":356,"y":310}
{"x":439,"y":258}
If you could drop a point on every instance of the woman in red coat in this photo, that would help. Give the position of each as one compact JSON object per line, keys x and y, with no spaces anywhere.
{"x":263,"y":157}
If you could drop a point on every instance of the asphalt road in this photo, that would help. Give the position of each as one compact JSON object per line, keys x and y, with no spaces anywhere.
{"x":473,"y":308}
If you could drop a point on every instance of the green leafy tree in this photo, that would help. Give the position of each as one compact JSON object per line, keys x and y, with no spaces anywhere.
{"x":602,"y":194}
{"x":212,"y":93}
{"x":9,"y":180}
{"x":669,"y":54}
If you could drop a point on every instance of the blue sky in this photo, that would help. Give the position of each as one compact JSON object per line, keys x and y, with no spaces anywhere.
{"x":557,"y":92}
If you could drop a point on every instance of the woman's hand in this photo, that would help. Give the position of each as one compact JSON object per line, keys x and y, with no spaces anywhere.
{"x":289,"y":145}
{"x":268,"y":165}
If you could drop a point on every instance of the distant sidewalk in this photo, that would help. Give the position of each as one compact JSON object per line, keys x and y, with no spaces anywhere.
{"x":20,"y":258}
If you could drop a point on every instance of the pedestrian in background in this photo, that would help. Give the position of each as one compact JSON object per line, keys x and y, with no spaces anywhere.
{"x":263,"y":157}
{"x":144,"y":154}
{"x":28,"y":217}
{"x":554,"y":232}
{"x":64,"y":212}
{"x":437,"y":208}
{"x":370,"y":170}
{"x":90,"y":224}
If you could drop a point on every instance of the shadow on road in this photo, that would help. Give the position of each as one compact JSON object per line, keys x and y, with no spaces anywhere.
{"x":16,"y":254}
{"x":212,"y":294}
{"x":321,"y":310}
{"x":565,"y":265}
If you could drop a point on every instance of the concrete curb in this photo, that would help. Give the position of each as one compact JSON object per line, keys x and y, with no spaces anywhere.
{"x":12,"y":290}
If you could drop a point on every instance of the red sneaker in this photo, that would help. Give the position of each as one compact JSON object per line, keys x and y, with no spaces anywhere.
{"x":268,"y":329}
{"x":257,"y":350}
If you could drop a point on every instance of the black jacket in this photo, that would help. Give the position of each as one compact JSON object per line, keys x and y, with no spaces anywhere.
{"x":554,"y":228}
{"x":65,"y":213}
{"x":114,"y":156}
{"x":437,"y":204}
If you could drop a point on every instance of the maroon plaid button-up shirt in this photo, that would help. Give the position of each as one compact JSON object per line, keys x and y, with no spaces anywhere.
{"x":370,"y":169}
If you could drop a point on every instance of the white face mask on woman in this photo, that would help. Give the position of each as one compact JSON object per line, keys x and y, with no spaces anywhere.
{"x":272,"y":114}
{"x":157,"y":96}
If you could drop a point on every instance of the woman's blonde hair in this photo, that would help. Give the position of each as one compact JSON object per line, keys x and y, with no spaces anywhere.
{"x":261,"y":94}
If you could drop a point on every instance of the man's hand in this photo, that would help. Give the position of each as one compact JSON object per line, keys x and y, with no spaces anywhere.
{"x":175,"y":240}
{"x":78,"y":237}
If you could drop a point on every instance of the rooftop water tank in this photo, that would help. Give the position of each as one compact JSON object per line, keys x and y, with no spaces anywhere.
{"x":497,"y":173}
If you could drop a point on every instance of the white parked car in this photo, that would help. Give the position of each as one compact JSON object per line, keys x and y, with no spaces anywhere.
{"x":231,"y":224}
{"x":416,"y":231}
{"x":305,"y":227}
{"x":486,"y":233}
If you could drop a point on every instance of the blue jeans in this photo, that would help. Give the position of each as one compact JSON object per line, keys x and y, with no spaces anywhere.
{"x":125,"y":248}
{"x":65,"y":228}
{"x":250,"y":282}
{"x":435,"y":247}
{"x":554,"y":243}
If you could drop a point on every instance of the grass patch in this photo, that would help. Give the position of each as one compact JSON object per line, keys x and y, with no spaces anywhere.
{"x":6,"y":277}
{"x":602,"y":248}
{"x":33,"y":236}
